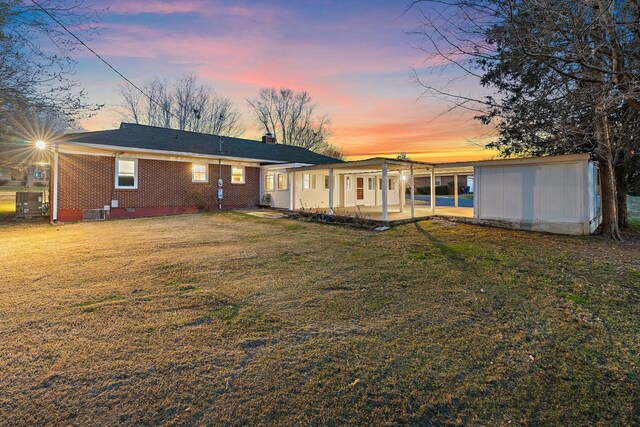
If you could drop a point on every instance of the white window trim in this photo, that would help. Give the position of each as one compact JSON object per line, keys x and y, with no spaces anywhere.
{"x":347,"y":182}
{"x":206,"y":173}
{"x":244,"y":175}
{"x":306,"y":181}
{"x":135,"y":174}
{"x":314,"y":181}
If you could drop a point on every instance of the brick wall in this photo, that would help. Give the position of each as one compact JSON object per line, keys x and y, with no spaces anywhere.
{"x":87,"y":182}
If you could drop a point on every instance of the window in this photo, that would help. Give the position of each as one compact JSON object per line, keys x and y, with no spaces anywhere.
{"x":326,"y":182}
{"x":313,"y":182}
{"x":347,"y":182}
{"x":283,"y":181}
{"x":371,"y":183}
{"x":392,"y":183}
{"x":306,"y":181}
{"x":380,"y":185}
{"x":127,"y":173}
{"x":237,"y":174}
{"x":200,"y":174}
{"x":438,"y":180}
{"x":269,"y":182}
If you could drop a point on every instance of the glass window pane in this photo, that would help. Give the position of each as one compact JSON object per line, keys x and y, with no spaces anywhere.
{"x":126,"y":181}
{"x":237,"y":175}
{"x":126,"y":167}
{"x":200,"y":173}
{"x":282,"y":181}
{"x":268,"y":182}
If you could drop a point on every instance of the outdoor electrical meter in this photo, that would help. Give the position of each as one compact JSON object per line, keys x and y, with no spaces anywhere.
{"x":219,"y":193}
{"x":220,"y":182}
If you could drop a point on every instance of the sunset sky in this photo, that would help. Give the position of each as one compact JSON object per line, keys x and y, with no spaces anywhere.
{"x":353,"y":57}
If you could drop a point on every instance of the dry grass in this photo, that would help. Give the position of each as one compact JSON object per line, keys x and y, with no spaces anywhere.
{"x":226,"y":319}
{"x":7,"y":207}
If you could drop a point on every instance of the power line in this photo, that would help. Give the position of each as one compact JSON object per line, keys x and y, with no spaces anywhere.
{"x":104,"y":60}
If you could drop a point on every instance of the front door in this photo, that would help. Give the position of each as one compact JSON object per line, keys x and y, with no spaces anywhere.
{"x":359,"y":190}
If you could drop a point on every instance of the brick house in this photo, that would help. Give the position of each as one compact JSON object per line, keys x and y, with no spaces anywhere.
{"x":139,"y":170}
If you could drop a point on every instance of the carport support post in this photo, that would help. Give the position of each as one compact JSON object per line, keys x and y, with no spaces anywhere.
{"x":330,"y":191}
{"x":413,"y":198}
{"x":455,"y":190}
{"x":433,"y":191}
{"x":385,"y":191}
{"x":292,"y":191}
{"x":401,"y":190}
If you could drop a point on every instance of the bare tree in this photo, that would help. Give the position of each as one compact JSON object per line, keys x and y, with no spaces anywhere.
{"x":133,"y":104}
{"x":185,"y":105}
{"x":39,"y":100}
{"x":291,"y":117}
{"x":569,"y":57}
{"x":36,"y":57}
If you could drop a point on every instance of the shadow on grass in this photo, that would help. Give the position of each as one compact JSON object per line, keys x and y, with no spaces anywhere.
{"x":449,"y":252}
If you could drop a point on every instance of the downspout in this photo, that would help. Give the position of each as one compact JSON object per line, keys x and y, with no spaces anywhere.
{"x":54,"y":202}
{"x":219,"y":184}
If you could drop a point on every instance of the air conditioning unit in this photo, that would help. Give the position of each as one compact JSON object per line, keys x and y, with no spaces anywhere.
{"x":93,"y":215}
{"x":31,"y":205}
{"x":266,"y":200}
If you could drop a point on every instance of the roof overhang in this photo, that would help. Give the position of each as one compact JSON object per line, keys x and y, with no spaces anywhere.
{"x":563,"y":158}
{"x":119,"y":149}
{"x":373,"y":164}
{"x":293,"y":166}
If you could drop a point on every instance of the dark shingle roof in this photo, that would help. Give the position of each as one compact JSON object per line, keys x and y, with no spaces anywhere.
{"x":134,"y":136}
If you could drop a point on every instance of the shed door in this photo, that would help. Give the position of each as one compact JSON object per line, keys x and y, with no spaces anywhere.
{"x":360,"y":188}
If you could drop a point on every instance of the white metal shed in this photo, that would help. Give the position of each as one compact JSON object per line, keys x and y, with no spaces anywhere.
{"x":556,"y":194}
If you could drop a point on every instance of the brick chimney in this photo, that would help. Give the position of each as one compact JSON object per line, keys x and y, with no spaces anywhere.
{"x":268,"y":138}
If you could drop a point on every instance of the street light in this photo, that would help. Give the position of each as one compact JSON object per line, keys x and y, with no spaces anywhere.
{"x":41,"y":145}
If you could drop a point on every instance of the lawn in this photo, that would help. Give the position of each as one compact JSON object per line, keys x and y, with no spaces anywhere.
{"x":228,"y":319}
{"x":7,"y":207}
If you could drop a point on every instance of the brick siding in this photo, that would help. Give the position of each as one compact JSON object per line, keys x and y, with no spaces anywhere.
{"x":87,"y":182}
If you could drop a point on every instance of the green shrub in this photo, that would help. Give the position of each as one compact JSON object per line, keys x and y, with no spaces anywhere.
{"x":442,"y":190}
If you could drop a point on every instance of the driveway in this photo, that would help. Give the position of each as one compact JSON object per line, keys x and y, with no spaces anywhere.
{"x":444,"y":201}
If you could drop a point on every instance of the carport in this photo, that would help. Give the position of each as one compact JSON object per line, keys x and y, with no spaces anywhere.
{"x":556,"y":194}
{"x":374,"y":188}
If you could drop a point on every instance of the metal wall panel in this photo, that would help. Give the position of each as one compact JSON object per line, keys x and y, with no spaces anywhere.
{"x":532,"y":193}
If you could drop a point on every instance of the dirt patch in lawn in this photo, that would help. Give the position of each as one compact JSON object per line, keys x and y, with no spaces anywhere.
{"x":229,"y":319}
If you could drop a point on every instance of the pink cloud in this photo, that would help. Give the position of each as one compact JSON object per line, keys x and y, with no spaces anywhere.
{"x":350,"y":66}
{"x":201,"y":7}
